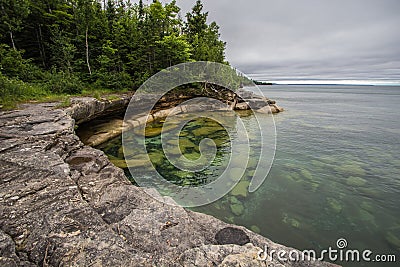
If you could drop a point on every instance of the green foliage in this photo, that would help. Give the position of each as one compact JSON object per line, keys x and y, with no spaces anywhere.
{"x":13,"y":13}
{"x":63,"y":83}
{"x":65,"y":102}
{"x":196,"y":21}
{"x":62,"y":49}
{"x":14,"y":66}
{"x":204,"y":38}
{"x":64,"y":46}
{"x":117,"y":81}
{"x":13,"y":91}
{"x":176,"y":49}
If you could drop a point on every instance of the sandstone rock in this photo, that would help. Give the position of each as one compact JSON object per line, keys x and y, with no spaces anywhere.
{"x":242,"y":106}
{"x":225,"y":255}
{"x":65,"y":204}
{"x":245,"y":94}
{"x":265,"y":110}
{"x":255,"y":103}
{"x":87,"y":108}
{"x":279,"y":109}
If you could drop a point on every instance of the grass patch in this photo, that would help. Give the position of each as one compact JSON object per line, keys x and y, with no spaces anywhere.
{"x":14,"y":91}
{"x":112,"y":97}
{"x":66,"y":102}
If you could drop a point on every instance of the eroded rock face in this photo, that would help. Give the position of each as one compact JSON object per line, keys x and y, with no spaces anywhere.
{"x":86,"y":109}
{"x":65,"y":204}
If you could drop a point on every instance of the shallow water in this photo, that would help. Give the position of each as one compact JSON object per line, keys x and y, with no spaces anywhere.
{"x":336,"y":172}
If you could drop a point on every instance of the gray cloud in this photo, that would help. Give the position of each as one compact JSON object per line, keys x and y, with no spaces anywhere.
{"x":321,"y":39}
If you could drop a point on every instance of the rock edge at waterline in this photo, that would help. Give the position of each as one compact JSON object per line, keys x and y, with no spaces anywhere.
{"x":86,"y":108}
{"x":64,"y":203}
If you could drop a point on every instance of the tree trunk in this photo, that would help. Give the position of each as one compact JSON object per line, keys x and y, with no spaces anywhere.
{"x":12,"y":40}
{"x":40,"y":45}
{"x":150,"y":67}
{"x":87,"y":51}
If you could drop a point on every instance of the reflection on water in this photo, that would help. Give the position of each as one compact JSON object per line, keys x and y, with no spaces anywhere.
{"x":335,"y":175}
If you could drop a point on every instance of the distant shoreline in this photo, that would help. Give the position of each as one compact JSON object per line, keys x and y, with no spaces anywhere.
{"x":331,"y":82}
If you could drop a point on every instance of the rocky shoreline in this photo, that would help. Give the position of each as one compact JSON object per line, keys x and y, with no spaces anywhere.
{"x":64,"y":203}
{"x":95,"y":134}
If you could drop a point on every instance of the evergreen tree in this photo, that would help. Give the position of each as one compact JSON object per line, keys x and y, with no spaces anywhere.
{"x":104,"y":43}
{"x":62,"y":50}
{"x":196,"y":21}
{"x":204,"y":38}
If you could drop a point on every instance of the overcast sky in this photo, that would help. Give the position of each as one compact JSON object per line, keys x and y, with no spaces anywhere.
{"x":309,"y":39}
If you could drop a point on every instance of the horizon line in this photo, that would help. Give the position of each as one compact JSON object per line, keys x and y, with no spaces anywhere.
{"x":372,"y":82}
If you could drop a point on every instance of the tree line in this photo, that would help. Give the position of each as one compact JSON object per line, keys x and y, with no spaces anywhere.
{"x":64,"y":46}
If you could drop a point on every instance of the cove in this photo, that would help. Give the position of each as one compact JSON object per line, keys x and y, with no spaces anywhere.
{"x":335,"y":173}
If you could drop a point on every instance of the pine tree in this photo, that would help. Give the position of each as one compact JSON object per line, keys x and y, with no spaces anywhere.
{"x":204,"y":38}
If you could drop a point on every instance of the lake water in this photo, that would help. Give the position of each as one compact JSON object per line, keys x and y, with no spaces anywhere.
{"x":336,"y":173}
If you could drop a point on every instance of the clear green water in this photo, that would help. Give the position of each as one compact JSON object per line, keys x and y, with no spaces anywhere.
{"x":336,"y":172}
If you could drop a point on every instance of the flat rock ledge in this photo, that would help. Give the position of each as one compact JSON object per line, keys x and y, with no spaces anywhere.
{"x":64,"y":204}
{"x":86,"y":109}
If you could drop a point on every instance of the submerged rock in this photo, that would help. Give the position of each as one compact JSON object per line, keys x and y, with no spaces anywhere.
{"x":314,"y":186}
{"x":267,"y":110}
{"x":290,"y":221}
{"x":334,"y":204}
{"x":355,"y":181}
{"x":351,"y":169}
{"x":367,"y":206}
{"x":393,"y":240}
{"x":306,"y":174}
{"x":156,"y":158}
{"x":120,"y":163}
{"x":220,"y":141}
{"x":153,"y":131}
{"x":241,"y":189}
{"x":367,"y":216}
{"x":236,"y":173}
{"x":233,"y":200}
{"x":370,"y":192}
{"x":255,"y":229}
{"x":237,"y":209}
{"x":185,"y":143}
{"x":206,"y":131}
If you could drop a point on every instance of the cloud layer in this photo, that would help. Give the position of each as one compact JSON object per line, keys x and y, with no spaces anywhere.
{"x":309,"y":39}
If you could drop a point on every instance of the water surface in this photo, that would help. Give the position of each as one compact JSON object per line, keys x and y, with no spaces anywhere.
{"x":336,"y":172}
